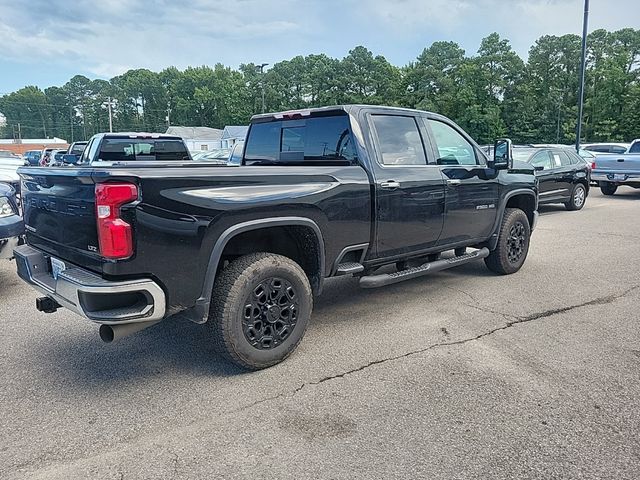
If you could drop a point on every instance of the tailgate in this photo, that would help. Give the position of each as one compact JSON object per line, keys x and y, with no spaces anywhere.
{"x":612,"y":162}
{"x":59,"y":213}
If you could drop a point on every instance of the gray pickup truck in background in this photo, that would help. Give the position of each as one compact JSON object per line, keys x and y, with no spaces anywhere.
{"x":611,"y":170}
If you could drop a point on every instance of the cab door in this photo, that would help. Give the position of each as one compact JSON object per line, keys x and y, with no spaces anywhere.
{"x":471,"y":188}
{"x":409,"y":192}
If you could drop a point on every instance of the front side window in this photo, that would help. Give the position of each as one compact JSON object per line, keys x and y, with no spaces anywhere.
{"x":399,"y":140}
{"x":453,"y":148}
{"x":316,"y":140}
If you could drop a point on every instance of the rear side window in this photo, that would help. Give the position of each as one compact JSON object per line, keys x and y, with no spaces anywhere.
{"x":399,"y":140}
{"x":453,"y":148}
{"x":542,"y":159}
{"x":134,"y":149}
{"x":319,"y":140}
{"x":565,"y":160}
{"x":616,"y":149}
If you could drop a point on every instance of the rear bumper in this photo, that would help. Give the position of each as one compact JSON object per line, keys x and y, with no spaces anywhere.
{"x":87,"y":294}
{"x":631,"y":177}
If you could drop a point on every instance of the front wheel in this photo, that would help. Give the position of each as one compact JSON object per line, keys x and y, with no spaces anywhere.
{"x":513,"y":243}
{"x":578,"y":197}
{"x":608,"y":188}
{"x":260,"y":309}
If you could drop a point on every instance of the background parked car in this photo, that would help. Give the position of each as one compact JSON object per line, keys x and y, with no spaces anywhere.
{"x":44,"y":157}
{"x":607,"y":147}
{"x":32,"y":156}
{"x":215,"y":156}
{"x":563,"y":175}
{"x":77,"y":148}
{"x":56,"y":158}
{"x":11,"y":224}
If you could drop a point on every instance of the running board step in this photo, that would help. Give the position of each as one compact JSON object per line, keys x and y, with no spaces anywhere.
{"x":349,"y":268}
{"x":373,"y":281}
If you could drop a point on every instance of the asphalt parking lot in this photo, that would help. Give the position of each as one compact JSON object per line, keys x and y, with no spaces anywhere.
{"x":459,"y":375}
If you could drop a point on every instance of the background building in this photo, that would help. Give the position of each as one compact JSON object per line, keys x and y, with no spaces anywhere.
{"x":198,"y":138}
{"x":19,"y":147}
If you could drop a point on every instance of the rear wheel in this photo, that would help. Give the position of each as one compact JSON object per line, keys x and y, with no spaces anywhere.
{"x":608,"y":188}
{"x":578,"y":197}
{"x":260,"y":310}
{"x":513,"y":243}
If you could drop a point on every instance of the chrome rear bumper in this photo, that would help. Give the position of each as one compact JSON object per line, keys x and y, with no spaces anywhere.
{"x":87,"y":294}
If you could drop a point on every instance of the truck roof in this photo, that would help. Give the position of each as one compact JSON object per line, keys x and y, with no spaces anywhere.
{"x":138,"y":135}
{"x":348,"y":108}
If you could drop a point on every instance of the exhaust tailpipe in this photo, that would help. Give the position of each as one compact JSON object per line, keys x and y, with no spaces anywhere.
{"x":109,"y":333}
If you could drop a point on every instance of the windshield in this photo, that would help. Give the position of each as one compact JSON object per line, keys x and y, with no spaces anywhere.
{"x":78,"y":148}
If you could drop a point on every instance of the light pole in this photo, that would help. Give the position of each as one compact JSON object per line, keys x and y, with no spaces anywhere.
{"x":109,"y":105}
{"x":583,"y":63}
{"x":261,"y":67}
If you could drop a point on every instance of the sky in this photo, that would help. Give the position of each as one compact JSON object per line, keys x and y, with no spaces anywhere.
{"x":46,"y":42}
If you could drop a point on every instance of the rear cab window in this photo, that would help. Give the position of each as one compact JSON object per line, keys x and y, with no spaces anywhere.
{"x":126,"y":149}
{"x":321,"y":140}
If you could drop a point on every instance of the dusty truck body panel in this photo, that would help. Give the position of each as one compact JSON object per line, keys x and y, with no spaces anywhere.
{"x":337,"y":190}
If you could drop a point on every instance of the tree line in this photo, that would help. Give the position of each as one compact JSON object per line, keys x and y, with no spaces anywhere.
{"x":490,"y":94}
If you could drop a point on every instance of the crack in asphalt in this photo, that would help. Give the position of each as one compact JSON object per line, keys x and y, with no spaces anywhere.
{"x":516,"y":321}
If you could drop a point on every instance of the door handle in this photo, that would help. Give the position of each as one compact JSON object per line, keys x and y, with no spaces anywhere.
{"x":390,"y":185}
{"x":454,"y":182}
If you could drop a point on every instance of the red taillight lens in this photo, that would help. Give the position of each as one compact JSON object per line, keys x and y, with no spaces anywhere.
{"x":593,"y":165}
{"x":114,"y":234}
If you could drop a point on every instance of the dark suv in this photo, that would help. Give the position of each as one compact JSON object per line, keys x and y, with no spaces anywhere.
{"x":563,"y":176}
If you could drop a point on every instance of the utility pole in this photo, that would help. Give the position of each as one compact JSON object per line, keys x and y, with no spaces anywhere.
{"x":19,"y":134}
{"x":583,"y":63}
{"x":558,"y":126}
{"x":71,"y":122}
{"x":109,"y":104}
{"x":110,"y":117}
{"x":261,"y":67}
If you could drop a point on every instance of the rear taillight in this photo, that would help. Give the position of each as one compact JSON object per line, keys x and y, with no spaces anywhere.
{"x":593,"y":165}
{"x":114,"y":234}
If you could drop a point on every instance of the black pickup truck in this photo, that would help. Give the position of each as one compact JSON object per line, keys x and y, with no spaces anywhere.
{"x":318,"y":193}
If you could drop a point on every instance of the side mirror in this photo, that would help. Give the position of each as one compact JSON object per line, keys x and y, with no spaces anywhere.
{"x":538,"y":168}
{"x":70,"y":158}
{"x":502,"y":158}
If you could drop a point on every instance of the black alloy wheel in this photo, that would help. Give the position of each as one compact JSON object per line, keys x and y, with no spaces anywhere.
{"x":260,"y":309}
{"x":270,"y":313}
{"x":516,"y":243}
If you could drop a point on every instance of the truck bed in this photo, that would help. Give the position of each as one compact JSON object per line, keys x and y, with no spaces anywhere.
{"x":183,"y":209}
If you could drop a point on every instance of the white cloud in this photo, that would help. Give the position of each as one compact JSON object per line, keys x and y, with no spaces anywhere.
{"x":521,"y":21}
{"x":106,"y":38}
